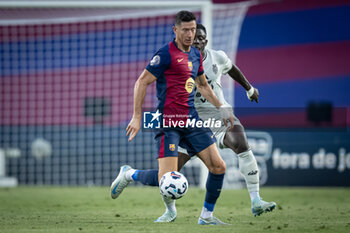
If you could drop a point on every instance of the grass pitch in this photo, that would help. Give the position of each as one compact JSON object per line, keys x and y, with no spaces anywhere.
{"x":82,"y":209}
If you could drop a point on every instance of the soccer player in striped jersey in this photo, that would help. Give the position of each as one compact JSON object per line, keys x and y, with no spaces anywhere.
{"x":177,"y":69}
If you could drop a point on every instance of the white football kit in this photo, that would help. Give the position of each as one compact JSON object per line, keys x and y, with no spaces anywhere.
{"x":215,"y":64}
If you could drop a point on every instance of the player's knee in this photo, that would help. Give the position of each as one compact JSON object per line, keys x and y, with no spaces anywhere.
{"x":222,"y":168}
{"x":182,"y":160}
{"x":241,"y":147}
{"x":237,"y":141}
{"x":218,"y":168}
{"x":237,"y":146}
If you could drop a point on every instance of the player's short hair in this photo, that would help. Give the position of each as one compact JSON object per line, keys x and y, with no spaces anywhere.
{"x":184,"y":16}
{"x":201,"y":27}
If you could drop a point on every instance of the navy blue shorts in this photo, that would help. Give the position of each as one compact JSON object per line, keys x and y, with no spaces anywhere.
{"x":194,"y":140}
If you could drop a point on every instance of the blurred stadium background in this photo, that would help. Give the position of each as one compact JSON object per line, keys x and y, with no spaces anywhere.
{"x":67,"y":77}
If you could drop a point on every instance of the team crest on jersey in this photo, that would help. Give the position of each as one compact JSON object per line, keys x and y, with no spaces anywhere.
{"x":155,"y":60}
{"x":189,"y":85}
{"x":190,"y":65}
{"x":171,"y":147}
{"x":215,"y":69}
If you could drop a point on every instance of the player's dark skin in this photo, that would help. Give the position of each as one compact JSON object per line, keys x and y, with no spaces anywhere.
{"x":235,"y":137}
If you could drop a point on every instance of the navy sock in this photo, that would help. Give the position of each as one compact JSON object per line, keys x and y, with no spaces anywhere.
{"x":214,"y":185}
{"x":146,"y":177}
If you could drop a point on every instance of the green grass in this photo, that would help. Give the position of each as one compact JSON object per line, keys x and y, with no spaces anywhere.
{"x":82,"y":209}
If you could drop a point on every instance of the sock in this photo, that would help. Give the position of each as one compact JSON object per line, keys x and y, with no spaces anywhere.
{"x":147,"y":177}
{"x":206,"y":213}
{"x":254,"y":195}
{"x":169,"y":204}
{"x":213,"y":186}
{"x":249,"y":169}
{"x":129,"y":174}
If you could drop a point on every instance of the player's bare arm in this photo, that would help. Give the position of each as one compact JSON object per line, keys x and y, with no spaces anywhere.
{"x":145,"y":79}
{"x":208,"y":93}
{"x":237,"y":75}
{"x":205,"y":90}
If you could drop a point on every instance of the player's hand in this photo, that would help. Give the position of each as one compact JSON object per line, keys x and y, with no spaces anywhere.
{"x":226,"y":115}
{"x":133,"y":128}
{"x":253,"y":94}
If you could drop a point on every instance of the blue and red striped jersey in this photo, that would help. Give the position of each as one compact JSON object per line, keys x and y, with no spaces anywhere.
{"x":176,"y":72}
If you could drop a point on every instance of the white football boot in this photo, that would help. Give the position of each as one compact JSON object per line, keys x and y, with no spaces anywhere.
{"x":260,"y":206}
{"x":120,"y":182}
{"x":168,"y":216}
{"x":211,"y":221}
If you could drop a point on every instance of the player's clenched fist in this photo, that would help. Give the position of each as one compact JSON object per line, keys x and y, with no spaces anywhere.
{"x":253,"y":94}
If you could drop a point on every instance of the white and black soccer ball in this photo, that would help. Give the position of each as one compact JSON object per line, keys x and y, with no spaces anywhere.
{"x":173,"y":185}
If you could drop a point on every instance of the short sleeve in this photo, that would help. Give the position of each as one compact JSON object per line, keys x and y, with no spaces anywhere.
{"x":225,"y":61}
{"x":160,"y":62}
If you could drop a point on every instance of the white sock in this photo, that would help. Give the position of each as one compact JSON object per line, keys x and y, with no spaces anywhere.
{"x":206,"y":213}
{"x":254,"y":194}
{"x":169,"y":204}
{"x":128,"y":174}
{"x":249,"y":169}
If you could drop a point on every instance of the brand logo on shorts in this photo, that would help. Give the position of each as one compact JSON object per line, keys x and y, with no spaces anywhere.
{"x":151,"y":120}
{"x":171,"y":147}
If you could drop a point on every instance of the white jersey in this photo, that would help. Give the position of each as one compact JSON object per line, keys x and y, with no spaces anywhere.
{"x":215,"y":64}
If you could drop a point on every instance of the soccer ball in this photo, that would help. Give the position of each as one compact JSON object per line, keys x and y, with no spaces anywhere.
{"x":173,"y":185}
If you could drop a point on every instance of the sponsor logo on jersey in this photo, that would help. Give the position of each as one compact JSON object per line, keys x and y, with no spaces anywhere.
{"x":179,"y":60}
{"x":189,"y":85}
